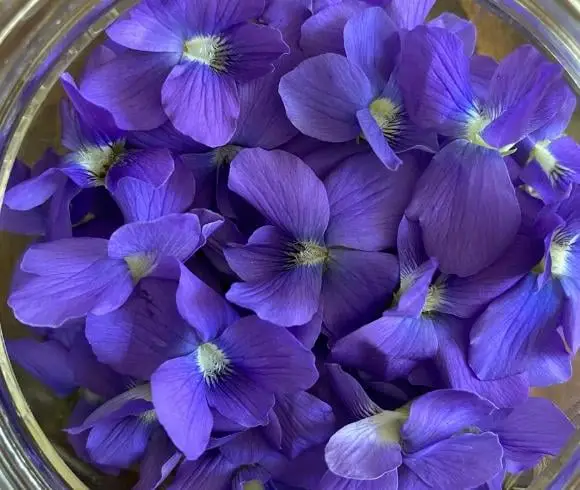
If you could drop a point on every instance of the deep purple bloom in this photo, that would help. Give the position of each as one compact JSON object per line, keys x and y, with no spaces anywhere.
{"x":465,"y":201}
{"x":336,"y":98}
{"x":422,"y":323}
{"x":425,"y":445}
{"x":38,"y":200}
{"x":201,"y":358}
{"x":186,"y":61}
{"x":321,"y":246}
{"x":68,"y":278}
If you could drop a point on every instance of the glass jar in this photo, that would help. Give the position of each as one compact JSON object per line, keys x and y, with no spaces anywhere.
{"x":39,"y":39}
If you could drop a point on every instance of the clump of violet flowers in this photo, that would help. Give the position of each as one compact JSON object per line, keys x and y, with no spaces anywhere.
{"x":304,"y":245}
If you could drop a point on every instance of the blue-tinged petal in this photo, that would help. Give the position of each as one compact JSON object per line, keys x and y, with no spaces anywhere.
{"x":216,"y":16}
{"x":165,"y":137}
{"x":356,"y":286}
{"x":409,"y":480}
{"x":367,"y":202}
{"x":308,"y":333}
{"x":214,"y":96}
{"x":322,"y":96}
{"x":47,"y":361}
{"x":371,"y":41}
{"x":146,"y":331}
{"x":455,"y":372}
{"x":410,"y":247}
{"x":376,"y":138}
{"x":159,"y":461}
{"x":467,"y":208}
{"x":520,"y":99}
{"x":435,"y":81}
{"x":305,"y":420}
{"x":323,"y":32}
{"x":505,"y":336}
{"x":330,"y":481}
{"x":323,"y":158}
{"x":530,"y":431}
{"x":408,"y":14}
{"x":129,"y":87}
{"x":467,"y":296}
{"x":35,"y":191}
{"x":550,"y":362}
{"x":482,"y":69}
{"x":367,"y":449}
{"x":179,"y":396}
{"x":560,"y":119}
{"x":464,"y":461}
{"x":462,"y":28}
{"x":68,"y":279}
{"x":212,"y":468}
{"x":440,"y":414}
{"x":283,"y":189}
{"x":391,"y":337}
{"x":416,"y":295}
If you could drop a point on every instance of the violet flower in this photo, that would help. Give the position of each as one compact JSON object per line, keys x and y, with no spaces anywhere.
{"x":423,"y":323}
{"x":202,"y":359}
{"x":68,"y":278}
{"x":202,"y":52}
{"x":320,"y":248}
{"x":514,"y":329}
{"x":335,"y":98}
{"x":424,"y":445}
{"x":469,"y":213}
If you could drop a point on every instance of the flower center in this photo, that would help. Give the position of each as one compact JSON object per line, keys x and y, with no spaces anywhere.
{"x":253,"y":485}
{"x":387,"y":115}
{"x":434,"y":298}
{"x":148,"y":417}
{"x":560,"y":253}
{"x":541,"y":154}
{"x":308,"y":253}
{"x":212,"y":362}
{"x":225,"y":154}
{"x":140,"y":265}
{"x":473,"y":131}
{"x":97,"y":160}
{"x":209,"y":50}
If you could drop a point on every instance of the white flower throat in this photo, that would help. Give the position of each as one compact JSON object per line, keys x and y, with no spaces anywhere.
{"x":212,"y":362}
{"x":212,"y":51}
{"x":97,"y":160}
{"x":560,"y":250}
{"x":387,"y":115}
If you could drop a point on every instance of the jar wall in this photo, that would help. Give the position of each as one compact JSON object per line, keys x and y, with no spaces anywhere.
{"x":39,"y":39}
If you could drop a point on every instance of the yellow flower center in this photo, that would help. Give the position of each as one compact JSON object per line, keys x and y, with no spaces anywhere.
{"x":209,"y":50}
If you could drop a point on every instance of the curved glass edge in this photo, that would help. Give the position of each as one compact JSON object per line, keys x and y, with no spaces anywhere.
{"x":58,"y":31}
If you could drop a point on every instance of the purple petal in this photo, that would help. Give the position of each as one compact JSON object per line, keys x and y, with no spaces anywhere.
{"x":263,"y":264}
{"x":532,"y":430}
{"x":325,"y":157}
{"x":174,"y":235}
{"x":283,"y":189}
{"x":119,"y":443}
{"x":440,"y":414}
{"x":467,"y":296}
{"x":308,"y":333}
{"x":435,"y":81}
{"x":391,"y":337}
{"x":214,"y":96}
{"x":129,"y":87}
{"x":256,"y":48}
{"x":455,"y":372}
{"x":35,"y":191}
{"x":205,"y":310}
{"x":305,"y":421}
{"x":330,"y":481}
{"x":377,"y":140}
{"x":371,"y":42}
{"x":46,"y":361}
{"x":468,"y":212}
{"x":462,"y":28}
{"x":367,"y":203}
{"x":356,"y":286}
{"x":416,"y":295}
{"x":247,"y":448}
{"x":165,"y":137}
{"x":323,"y":32}
{"x":212,"y":468}
{"x":146,"y":331}
{"x":179,"y":397}
{"x":550,"y":362}
{"x":322,"y":96}
{"x":214,"y":17}
{"x":505,"y":336}
{"x":561,"y":118}
{"x":262,"y":122}
{"x":520,"y":92}
{"x":482,"y":69}
{"x":410,"y":247}
{"x":269,"y":355}
{"x":410,"y":481}
{"x":74,"y":277}
{"x":443,"y":465}
{"x":367,"y":449}
{"x":159,"y":461}
{"x":408,"y":14}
